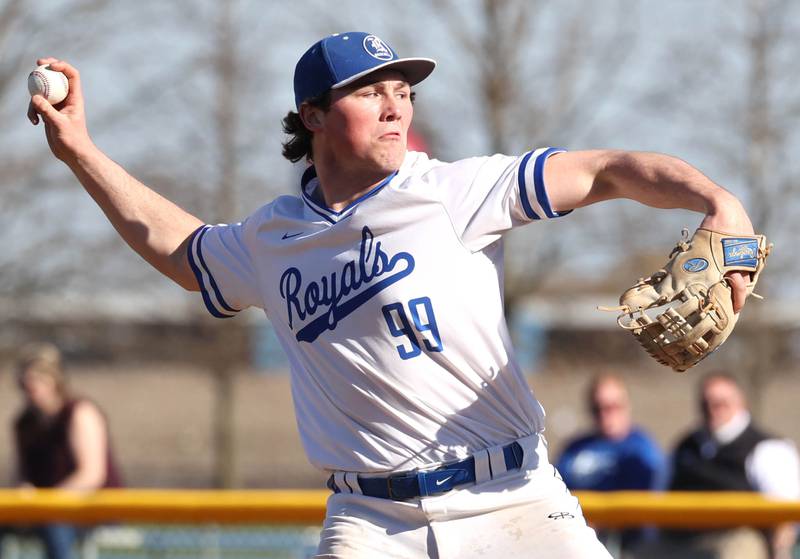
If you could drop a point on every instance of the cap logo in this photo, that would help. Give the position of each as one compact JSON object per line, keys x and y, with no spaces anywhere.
{"x":376,"y":48}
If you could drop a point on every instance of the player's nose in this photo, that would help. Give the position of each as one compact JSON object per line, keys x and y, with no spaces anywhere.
{"x":391,"y":109}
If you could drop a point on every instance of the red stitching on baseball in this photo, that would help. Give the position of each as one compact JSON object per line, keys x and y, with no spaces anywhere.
{"x":44,"y":81}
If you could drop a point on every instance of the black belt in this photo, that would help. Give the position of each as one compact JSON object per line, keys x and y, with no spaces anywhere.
{"x":408,"y":485}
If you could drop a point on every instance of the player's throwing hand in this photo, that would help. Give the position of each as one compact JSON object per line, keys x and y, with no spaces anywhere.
{"x":65,"y":127}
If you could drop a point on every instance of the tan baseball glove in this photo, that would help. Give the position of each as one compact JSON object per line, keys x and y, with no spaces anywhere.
{"x":692,"y":299}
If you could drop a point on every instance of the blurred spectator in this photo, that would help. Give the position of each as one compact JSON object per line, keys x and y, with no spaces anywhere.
{"x":729,"y":453}
{"x":61,"y":441}
{"x":615,"y":455}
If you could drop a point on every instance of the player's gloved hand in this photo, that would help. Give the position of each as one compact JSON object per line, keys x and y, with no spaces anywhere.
{"x":692,"y":295}
{"x":65,"y":127}
{"x":729,"y":216}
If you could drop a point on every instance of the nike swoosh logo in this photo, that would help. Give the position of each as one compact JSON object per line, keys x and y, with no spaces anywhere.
{"x":288,"y":236}
{"x":441,"y":481}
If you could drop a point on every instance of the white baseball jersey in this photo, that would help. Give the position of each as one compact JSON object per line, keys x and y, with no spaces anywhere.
{"x":391,"y":310}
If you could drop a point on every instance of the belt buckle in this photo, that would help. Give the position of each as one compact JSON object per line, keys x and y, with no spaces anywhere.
{"x":395,"y":477}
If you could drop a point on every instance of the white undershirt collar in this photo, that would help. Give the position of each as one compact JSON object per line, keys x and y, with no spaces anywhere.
{"x":733,"y":428}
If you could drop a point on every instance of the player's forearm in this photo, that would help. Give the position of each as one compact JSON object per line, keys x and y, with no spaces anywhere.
{"x":153,"y":226}
{"x":653,"y":179}
{"x":656,"y":180}
{"x":662,"y":181}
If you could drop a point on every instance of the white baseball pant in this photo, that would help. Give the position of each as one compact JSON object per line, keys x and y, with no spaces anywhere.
{"x":527,"y":513}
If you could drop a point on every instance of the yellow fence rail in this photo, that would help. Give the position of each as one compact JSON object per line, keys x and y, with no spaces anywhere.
{"x":617,"y":509}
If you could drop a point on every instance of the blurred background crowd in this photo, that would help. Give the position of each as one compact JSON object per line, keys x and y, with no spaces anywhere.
{"x":645,"y":428}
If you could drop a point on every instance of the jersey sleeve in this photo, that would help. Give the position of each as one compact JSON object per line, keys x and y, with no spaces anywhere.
{"x":487,"y":196}
{"x":224,"y":269}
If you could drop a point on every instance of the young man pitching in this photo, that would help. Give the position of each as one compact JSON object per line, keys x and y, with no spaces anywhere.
{"x":383,"y":280}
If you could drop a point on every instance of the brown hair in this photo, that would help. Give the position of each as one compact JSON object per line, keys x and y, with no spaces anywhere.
{"x":299,"y":145}
{"x":44,"y":358}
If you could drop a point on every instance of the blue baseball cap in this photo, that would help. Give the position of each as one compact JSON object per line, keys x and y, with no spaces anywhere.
{"x":342,"y":58}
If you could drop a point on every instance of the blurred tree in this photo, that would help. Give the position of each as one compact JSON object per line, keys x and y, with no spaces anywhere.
{"x":733,"y":98}
{"x":210,"y":171}
{"x":535,"y":74}
{"x":225,"y":68}
{"x":39,"y":190}
{"x":24,"y":35}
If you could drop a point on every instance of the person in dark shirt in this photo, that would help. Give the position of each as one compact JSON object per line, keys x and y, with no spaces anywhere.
{"x":62,"y":440}
{"x":615,"y":454}
{"x":729,"y":452}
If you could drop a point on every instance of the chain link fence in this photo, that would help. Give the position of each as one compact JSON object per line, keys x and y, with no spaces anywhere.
{"x":180,"y":542}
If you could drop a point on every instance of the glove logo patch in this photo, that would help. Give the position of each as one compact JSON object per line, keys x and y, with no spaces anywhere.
{"x":740,"y":252}
{"x":695,"y":265}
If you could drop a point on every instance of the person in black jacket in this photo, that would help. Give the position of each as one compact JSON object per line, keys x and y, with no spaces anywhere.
{"x":729,"y":452}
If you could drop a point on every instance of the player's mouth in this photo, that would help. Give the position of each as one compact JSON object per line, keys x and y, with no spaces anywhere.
{"x":391,"y":136}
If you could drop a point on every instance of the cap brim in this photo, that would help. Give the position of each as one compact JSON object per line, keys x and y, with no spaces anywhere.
{"x":414,"y":69}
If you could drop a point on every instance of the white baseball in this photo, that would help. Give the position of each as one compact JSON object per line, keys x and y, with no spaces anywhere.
{"x":48,"y":83}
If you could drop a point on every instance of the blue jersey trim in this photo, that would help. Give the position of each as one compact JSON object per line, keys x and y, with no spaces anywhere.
{"x":539,"y":187}
{"x":538,"y":181}
{"x":199,"y":276}
{"x":308,"y":174}
{"x":371,"y":193}
{"x":526,"y":204}
{"x":195,"y":240}
{"x":319,"y":213}
{"x":329,"y":214}
{"x":214,"y":286}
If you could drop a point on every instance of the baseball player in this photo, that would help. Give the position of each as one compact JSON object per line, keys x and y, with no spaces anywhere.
{"x":383,"y":280}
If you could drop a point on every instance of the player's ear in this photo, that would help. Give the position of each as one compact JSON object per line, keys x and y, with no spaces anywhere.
{"x":311,"y":116}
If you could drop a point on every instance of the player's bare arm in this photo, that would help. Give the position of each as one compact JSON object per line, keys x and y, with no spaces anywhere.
{"x":580,"y":178}
{"x":153,"y":226}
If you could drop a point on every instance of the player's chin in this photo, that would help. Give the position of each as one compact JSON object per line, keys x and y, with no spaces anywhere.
{"x":391,"y":156}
